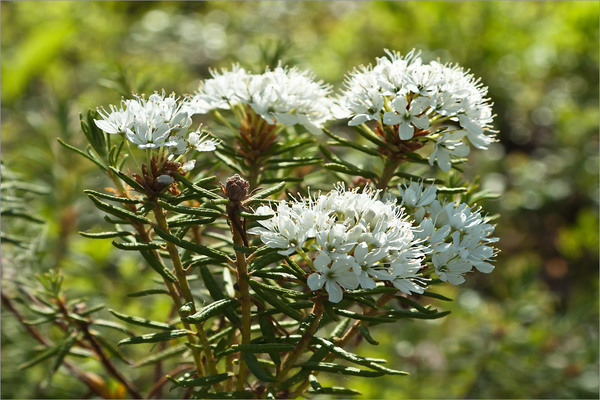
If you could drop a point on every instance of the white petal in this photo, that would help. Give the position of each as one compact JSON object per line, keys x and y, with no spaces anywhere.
{"x":335,"y":292}
{"x":316,"y":281}
{"x":406,"y":131}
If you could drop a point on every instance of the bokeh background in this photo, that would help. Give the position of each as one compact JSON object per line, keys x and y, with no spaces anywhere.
{"x":528,"y":330}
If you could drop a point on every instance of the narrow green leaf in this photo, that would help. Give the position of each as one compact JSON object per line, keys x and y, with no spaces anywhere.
{"x":255,"y":217}
{"x":366,"y":132}
{"x":228,"y":162}
{"x":82,"y":153}
{"x":265,"y":193}
{"x":111,"y":349}
{"x":44,"y":355}
{"x":202,"y":381}
{"x":339,"y":369}
{"x":156,"y":337}
{"x":147,"y":292}
{"x":306,"y":323}
{"x":64,"y":349}
{"x":22,"y":215}
{"x":335,"y":390}
{"x":217,"y":255}
{"x":105,"y":196}
{"x":138,"y":245}
{"x":264,"y":347}
{"x":436,"y":295}
{"x":415,"y":305}
{"x":297,"y":305}
{"x":118,"y":212}
{"x":266,"y":259}
{"x":243,"y":249}
{"x":157,"y":265}
{"x":314,"y":383}
{"x":130,"y":181}
{"x":112,"y":325}
{"x":348,"y":143}
{"x":386,"y":370}
{"x":364,"y":331}
{"x":211,"y":310}
{"x":415,"y":314}
{"x":295,"y":269}
{"x":279,"y":290}
{"x":141,"y":321}
{"x":217,"y":294}
{"x":163,"y":355}
{"x":448,"y":190}
{"x":91,"y":310}
{"x":105,"y":235}
{"x":279,"y":305}
{"x":362,"y":317}
{"x":257,"y":369}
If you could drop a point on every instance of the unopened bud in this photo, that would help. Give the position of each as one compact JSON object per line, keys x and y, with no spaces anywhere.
{"x":236,"y":188}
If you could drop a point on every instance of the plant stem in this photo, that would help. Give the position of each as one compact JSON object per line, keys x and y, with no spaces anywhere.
{"x":292,"y":357}
{"x":387,"y":174}
{"x":187,"y":296}
{"x":108,"y":365}
{"x":94,"y":386}
{"x":242,"y":281}
{"x":345,"y":339}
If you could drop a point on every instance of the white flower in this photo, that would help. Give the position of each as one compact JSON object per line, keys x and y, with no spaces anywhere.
{"x":189,"y":165}
{"x":224,"y":90}
{"x":149,"y":123}
{"x":457,"y":239}
{"x":406,"y":116}
{"x":439,"y":92}
{"x":117,"y":121}
{"x":348,"y":230}
{"x":201,"y":142}
{"x":449,"y":145}
{"x":287,"y":96}
{"x":333,"y":274}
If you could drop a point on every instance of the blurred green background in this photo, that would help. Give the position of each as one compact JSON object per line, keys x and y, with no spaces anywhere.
{"x":528,"y":330}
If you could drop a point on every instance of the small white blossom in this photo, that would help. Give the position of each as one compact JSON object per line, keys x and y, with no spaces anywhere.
{"x":456,"y":237}
{"x":358,"y":240}
{"x":287,"y":96}
{"x":407,"y":117}
{"x":407,"y":93}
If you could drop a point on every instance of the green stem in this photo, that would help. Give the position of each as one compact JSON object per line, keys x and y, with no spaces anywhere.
{"x":187,"y":296}
{"x":292,"y":357}
{"x":242,"y":281}
{"x":388,"y":173}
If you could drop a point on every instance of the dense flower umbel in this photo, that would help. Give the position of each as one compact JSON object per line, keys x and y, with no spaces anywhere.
{"x":158,"y":121}
{"x":287,"y":96}
{"x":355,"y":238}
{"x":441,"y":99}
{"x":456,"y":237}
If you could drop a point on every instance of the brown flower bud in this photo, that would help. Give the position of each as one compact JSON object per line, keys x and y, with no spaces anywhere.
{"x":236,"y":188}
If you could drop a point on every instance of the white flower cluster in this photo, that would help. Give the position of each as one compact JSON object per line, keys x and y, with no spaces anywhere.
{"x":286,"y":96}
{"x":456,"y":237}
{"x":356,"y":239}
{"x":405,"y":92}
{"x":158,"y":121}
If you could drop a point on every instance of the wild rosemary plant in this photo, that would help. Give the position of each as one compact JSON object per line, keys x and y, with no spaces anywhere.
{"x":270,"y":287}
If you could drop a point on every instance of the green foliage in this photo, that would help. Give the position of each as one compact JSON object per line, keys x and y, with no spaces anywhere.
{"x":533,"y":321}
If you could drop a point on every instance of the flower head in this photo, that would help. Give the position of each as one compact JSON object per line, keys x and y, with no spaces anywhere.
{"x":432,"y":99}
{"x":287,"y":96}
{"x":356,"y":240}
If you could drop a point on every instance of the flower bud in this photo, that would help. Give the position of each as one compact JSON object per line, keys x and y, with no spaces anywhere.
{"x":236,"y":188}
